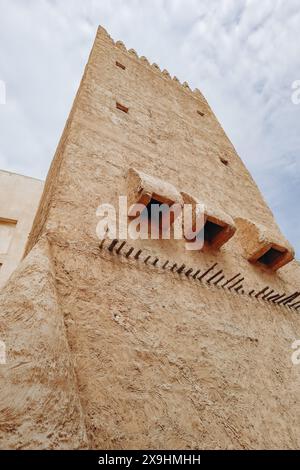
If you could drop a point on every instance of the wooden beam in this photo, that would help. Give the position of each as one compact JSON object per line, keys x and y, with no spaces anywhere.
{"x":261,"y":292}
{"x":230,"y":280}
{"x":214,"y":276}
{"x":129,"y":252}
{"x":118,"y":251}
{"x":208,"y":271}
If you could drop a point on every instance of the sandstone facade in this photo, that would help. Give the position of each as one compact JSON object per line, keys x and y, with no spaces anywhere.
{"x":149,"y":345}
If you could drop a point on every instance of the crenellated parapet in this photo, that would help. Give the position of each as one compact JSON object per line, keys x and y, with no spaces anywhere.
{"x":154,"y":66}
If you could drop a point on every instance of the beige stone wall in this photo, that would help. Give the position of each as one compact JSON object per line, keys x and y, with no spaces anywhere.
{"x":39,"y":402}
{"x":167,"y":362}
{"x":160,"y":359}
{"x":19,"y":199}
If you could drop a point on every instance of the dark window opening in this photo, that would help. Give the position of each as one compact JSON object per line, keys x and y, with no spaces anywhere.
{"x":211,"y":231}
{"x":157,"y":212}
{"x":200,"y":113}
{"x":118,"y":64}
{"x":153,"y":206}
{"x":271,"y":257}
{"x":122,"y":108}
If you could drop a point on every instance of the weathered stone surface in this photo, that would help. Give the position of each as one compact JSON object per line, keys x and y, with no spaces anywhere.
{"x":160,"y":361}
{"x":163,"y":363}
{"x":39,"y":402}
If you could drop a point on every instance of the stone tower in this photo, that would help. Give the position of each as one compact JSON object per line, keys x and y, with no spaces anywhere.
{"x":145,"y":344}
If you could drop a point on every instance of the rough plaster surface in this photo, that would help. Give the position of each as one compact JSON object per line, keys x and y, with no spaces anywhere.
{"x":39,"y":403}
{"x":172,"y":365}
{"x":159,"y":362}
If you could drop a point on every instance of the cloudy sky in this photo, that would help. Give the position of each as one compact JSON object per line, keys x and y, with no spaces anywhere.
{"x":244,"y":55}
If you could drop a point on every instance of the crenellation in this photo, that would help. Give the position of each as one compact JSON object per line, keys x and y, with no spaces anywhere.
{"x":145,"y":60}
{"x":154,"y":66}
{"x":133,"y":52}
{"x":166,"y":74}
{"x":121,"y":45}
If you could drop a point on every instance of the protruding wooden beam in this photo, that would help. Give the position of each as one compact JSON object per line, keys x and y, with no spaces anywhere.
{"x":166,"y":264}
{"x":261,"y":292}
{"x":102,"y":243}
{"x":236,"y":283}
{"x":189,"y":272}
{"x":155,"y":261}
{"x":118,"y":250}
{"x":129,"y":252}
{"x":290,"y":298}
{"x":231,"y":280}
{"x":196,"y":273}
{"x":214,"y":276}
{"x":174,"y":267}
{"x":208,"y":271}
{"x":273,"y":297}
{"x":219,"y":280}
{"x":238,"y":289}
{"x":138,"y":254}
{"x":251,"y":292}
{"x":147,"y":259}
{"x":278,"y":298}
{"x":267,"y":294}
{"x":179,"y":270}
{"x":112,"y":245}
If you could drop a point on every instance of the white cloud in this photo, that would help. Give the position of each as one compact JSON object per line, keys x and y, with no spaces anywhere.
{"x":243,"y":54}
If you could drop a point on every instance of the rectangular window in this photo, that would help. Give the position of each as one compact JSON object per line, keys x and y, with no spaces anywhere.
{"x":122,"y":108}
{"x":271,"y":257}
{"x":118,"y":64}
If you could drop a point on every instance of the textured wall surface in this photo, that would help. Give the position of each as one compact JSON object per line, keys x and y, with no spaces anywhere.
{"x":152,"y":359}
{"x":165,"y":363}
{"x":39,"y":403}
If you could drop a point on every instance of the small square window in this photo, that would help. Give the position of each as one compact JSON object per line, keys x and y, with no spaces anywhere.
{"x":156,"y":195}
{"x":216,"y":227}
{"x":211,"y":231}
{"x":271,"y":257}
{"x":153,"y":209}
{"x":213,"y":234}
{"x":152,"y":204}
{"x":264,"y":247}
